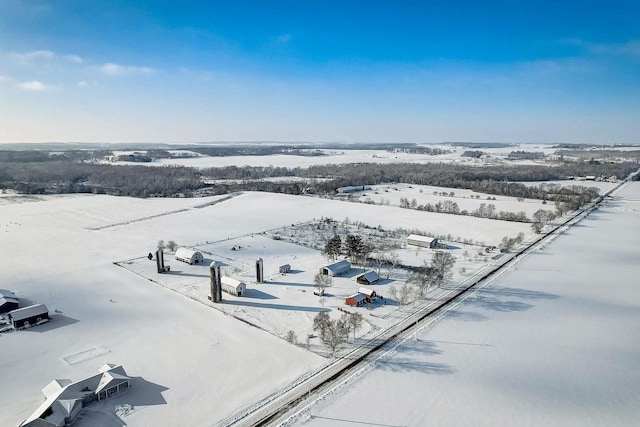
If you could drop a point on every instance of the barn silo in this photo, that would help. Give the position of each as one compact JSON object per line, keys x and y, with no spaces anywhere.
{"x":160,"y":260}
{"x":259,"y":271}
{"x":215,"y":278}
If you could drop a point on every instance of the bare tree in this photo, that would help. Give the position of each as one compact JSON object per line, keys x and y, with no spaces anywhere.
{"x":291,"y":337}
{"x":322,"y":282}
{"x":442,"y":263}
{"x":320,"y":322}
{"x":160,"y":244}
{"x":172,"y":246}
{"x":355,"y":321}
{"x":335,"y":335}
{"x":405,"y":295}
{"x":424,"y":278}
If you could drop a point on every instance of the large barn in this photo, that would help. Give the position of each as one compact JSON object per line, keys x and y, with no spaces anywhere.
{"x":65,"y":399}
{"x":8,"y":301}
{"x":189,"y":256}
{"x":28,"y":316}
{"x":422,"y":241}
{"x":233,"y":286}
{"x":336,"y":269}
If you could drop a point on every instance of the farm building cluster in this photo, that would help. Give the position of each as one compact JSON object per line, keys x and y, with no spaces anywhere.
{"x":21,"y":318}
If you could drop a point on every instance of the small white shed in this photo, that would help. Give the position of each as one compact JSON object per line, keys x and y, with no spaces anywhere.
{"x":422,"y":241}
{"x":233,"y":286}
{"x":189,"y":256}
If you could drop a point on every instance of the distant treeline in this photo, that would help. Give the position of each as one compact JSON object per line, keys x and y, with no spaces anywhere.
{"x":71,"y":172}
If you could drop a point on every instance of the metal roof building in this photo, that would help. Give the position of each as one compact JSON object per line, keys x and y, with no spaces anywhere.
{"x":336,"y":268}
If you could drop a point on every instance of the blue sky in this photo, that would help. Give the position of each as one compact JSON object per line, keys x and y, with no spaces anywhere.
{"x":370,"y":71}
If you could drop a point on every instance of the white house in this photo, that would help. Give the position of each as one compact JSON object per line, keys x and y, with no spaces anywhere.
{"x":65,"y":399}
{"x":422,"y":241}
{"x":233,"y":286}
{"x":189,"y":256}
{"x":336,"y":269}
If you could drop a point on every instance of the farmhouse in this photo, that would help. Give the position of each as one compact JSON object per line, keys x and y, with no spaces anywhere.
{"x":369,"y":294}
{"x":284,"y":269}
{"x":422,"y":241}
{"x":356,"y":299}
{"x":233,"y":286}
{"x":368,"y":278}
{"x":8,"y":301}
{"x":28,"y":316}
{"x":65,"y":399}
{"x":189,"y":256}
{"x":336,"y":269}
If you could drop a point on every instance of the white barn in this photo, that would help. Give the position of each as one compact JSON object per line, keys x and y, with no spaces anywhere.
{"x":422,"y":241}
{"x":189,"y":256}
{"x":233,"y":286}
{"x":336,"y":269}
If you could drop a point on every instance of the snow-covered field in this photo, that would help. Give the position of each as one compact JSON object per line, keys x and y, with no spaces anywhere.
{"x":193,"y":364}
{"x":553,"y":342}
{"x":339,"y":156}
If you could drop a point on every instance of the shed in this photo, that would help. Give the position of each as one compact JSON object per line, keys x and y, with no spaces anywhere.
{"x":336,"y":269}
{"x":28,"y":316}
{"x":8,"y":301}
{"x":356,"y":299}
{"x":370,"y":294}
{"x":284,"y":269}
{"x":422,"y":241}
{"x":368,"y":278}
{"x":233,"y":286}
{"x":189,"y":256}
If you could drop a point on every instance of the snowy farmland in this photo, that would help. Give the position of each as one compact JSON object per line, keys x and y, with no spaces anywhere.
{"x":552,"y":342}
{"x":84,"y":256}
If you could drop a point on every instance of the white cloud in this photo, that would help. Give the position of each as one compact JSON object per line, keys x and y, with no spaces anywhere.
{"x":35,"y":86}
{"x":82,"y":83}
{"x":630,"y":48}
{"x":283,"y":38}
{"x":33,"y":55}
{"x":112,"y":69}
{"x":73,"y":58}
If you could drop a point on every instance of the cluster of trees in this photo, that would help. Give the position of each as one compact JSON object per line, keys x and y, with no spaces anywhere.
{"x":64,"y":176}
{"x":476,"y":154}
{"x":335,"y":333}
{"x":508,"y":243}
{"x":526,"y":155}
{"x":353,"y":247}
{"x":450,"y":207}
{"x":432,"y":275}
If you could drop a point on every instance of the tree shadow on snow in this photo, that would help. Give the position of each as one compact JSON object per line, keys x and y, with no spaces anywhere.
{"x":528,"y":294}
{"x":399,"y":365}
{"x":496,"y":304}
{"x":467,"y":316}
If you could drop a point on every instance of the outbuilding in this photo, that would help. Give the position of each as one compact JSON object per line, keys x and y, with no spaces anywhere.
{"x":422,"y":241}
{"x":283,"y":269}
{"x":356,"y":299}
{"x":336,"y":269}
{"x":189,"y":256}
{"x":28,"y":316}
{"x":368,"y":278}
{"x":233,"y":286}
{"x":369,"y":294}
{"x":8,"y":301}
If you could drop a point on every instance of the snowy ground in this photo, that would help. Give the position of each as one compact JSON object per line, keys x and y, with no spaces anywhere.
{"x":553,"y":341}
{"x":338,"y":156}
{"x":194,"y":365}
